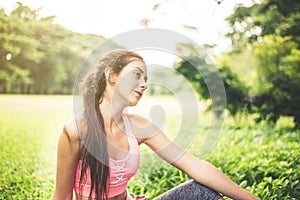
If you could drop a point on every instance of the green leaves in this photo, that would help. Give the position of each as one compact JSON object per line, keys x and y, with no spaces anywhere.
{"x":49,"y":54}
{"x":267,"y":166}
{"x":278,"y":78}
{"x":204,"y":78}
{"x":269,"y":30}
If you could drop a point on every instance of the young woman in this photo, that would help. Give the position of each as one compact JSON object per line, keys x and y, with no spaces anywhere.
{"x":98,"y":151}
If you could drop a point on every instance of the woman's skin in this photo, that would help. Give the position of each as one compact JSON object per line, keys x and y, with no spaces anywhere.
{"x":126,"y":89}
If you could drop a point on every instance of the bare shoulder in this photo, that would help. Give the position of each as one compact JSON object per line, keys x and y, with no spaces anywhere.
{"x":74,"y":127}
{"x":142,"y":128}
{"x":138,"y":119}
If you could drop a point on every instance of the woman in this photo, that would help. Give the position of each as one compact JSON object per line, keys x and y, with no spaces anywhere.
{"x":98,"y":151}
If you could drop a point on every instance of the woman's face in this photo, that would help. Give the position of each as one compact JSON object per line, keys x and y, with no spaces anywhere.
{"x":131,"y":83}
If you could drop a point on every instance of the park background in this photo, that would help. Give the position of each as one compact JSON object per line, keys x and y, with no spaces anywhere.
{"x":259,"y":65}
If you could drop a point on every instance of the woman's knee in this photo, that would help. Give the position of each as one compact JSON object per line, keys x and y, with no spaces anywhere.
{"x":190,"y":190}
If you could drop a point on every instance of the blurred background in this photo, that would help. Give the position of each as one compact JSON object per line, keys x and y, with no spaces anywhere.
{"x":253,"y":44}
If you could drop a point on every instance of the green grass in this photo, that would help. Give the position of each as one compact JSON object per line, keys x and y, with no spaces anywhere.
{"x":29,"y":129}
{"x":263,"y":159}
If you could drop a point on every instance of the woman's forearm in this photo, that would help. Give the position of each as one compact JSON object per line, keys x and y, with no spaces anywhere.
{"x":212,"y":177}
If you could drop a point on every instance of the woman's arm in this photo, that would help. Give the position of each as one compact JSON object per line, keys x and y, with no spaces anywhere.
{"x":207,"y":174}
{"x":199,"y":170}
{"x":67,"y":158}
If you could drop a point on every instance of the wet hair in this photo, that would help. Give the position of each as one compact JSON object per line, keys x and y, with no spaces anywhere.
{"x":94,"y":153}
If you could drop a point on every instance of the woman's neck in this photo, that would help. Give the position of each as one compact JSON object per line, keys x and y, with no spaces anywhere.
{"x":111,"y":113}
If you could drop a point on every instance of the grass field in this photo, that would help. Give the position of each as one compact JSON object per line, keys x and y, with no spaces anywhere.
{"x":263,"y":159}
{"x":29,"y":129}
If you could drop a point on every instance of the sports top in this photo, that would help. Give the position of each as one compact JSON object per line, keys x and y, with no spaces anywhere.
{"x":120,"y":170}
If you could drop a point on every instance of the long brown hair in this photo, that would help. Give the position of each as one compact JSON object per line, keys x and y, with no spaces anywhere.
{"x":94,"y":153}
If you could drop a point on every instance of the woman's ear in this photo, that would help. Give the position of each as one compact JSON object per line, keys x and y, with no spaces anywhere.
{"x":110,"y":76}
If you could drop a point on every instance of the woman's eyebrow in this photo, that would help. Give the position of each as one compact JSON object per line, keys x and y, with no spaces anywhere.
{"x":139,"y":69}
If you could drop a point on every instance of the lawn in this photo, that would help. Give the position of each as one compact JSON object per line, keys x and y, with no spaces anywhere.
{"x":29,"y":129}
{"x":261,"y":158}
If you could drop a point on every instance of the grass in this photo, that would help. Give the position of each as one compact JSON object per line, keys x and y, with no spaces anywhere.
{"x":29,"y":129}
{"x":261,"y":158}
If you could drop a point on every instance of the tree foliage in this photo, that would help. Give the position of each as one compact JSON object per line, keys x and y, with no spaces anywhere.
{"x":278,"y":85}
{"x":266,"y":56}
{"x":271,"y":29}
{"x":275,"y":17}
{"x":37,"y":55}
{"x":204,"y":76}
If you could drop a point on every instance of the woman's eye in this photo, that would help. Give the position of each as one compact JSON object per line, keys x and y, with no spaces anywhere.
{"x":138,"y":74}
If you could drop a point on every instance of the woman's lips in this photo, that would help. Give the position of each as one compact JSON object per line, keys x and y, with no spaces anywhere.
{"x":139,"y":93}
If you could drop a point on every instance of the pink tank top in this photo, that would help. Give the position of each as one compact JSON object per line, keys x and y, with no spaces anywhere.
{"x":120,"y":170}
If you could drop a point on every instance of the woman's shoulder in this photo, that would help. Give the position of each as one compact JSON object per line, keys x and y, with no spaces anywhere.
{"x":138,"y":119}
{"x":74,"y":127}
{"x":142,"y":127}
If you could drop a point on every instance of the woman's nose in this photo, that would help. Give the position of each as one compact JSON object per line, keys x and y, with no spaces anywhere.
{"x":144,"y":86}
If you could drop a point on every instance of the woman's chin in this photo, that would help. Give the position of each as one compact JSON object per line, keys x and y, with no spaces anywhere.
{"x":132,"y":103}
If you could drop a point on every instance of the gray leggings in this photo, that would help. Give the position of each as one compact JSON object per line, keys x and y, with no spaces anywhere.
{"x":190,"y":190}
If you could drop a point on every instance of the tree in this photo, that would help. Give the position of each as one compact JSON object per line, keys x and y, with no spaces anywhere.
{"x":208,"y":81}
{"x":276,"y":17}
{"x":38,"y":56}
{"x":271,"y":29}
{"x":278,"y":79}
{"x":14,"y":54}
